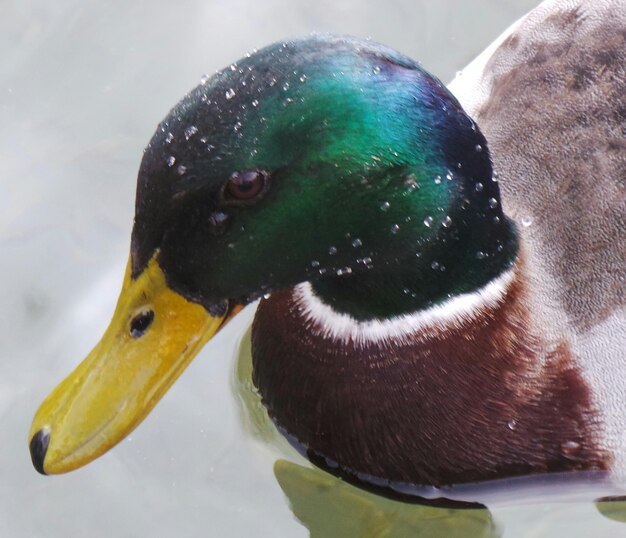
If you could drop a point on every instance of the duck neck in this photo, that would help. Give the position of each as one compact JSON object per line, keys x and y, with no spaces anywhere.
{"x":460,"y":260}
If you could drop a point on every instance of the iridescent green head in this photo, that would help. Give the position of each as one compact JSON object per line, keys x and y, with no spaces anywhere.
{"x":327,"y":159}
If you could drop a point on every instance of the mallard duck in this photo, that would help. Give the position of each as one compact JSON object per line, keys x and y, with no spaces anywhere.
{"x":414,"y":326}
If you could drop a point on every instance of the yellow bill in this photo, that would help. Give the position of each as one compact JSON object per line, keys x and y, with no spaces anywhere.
{"x":152,"y":338}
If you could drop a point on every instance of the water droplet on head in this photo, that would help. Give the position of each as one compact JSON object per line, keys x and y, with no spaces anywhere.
{"x":434,"y":266}
{"x":437,"y":180}
{"x":493,"y":203}
{"x":171,"y":160}
{"x":428,"y":221}
{"x":255,"y":103}
{"x":204,"y":79}
{"x":385,"y":206}
{"x":230,"y":93}
{"x":357,"y":243}
{"x":376,"y":70}
{"x":181,"y":169}
{"x":169,"y":138}
{"x":446,"y":222}
{"x":478,"y":148}
{"x":512,"y":424}
{"x":190,"y":131}
{"x":450,"y":175}
{"x":395,"y":229}
{"x":479,"y":187}
{"x":410,"y":183}
{"x":315,"y":263}
{"x":527,"y":221}
{"x":217,"y":221}
{"x":332,"y":251}
{"x":480,"y":255}
{"x":302,"y":78}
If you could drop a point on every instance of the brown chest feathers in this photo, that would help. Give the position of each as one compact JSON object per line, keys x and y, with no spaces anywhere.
{"x":481,"y":399}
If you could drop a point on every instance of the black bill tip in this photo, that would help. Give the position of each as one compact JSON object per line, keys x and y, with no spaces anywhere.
{"x":39,"y":447}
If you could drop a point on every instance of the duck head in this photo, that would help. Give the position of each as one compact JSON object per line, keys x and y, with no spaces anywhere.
{"x":329,"y":160}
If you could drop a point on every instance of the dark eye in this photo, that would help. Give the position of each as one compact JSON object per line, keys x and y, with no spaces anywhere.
{"x":140,"y":323}
{"x":246,"y":186}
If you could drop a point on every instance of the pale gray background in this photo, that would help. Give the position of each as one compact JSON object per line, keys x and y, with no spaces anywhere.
{"x":82,"y":87}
